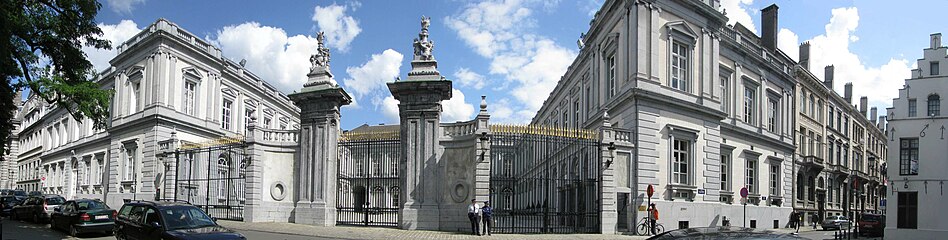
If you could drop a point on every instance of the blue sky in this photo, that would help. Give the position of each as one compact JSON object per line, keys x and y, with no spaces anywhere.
{"x":513,"y":51}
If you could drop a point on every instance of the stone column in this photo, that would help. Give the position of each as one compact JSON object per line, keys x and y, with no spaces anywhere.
{"x":607,"y":197}
{"x":319,"y":102}
{"x":420,"y":116}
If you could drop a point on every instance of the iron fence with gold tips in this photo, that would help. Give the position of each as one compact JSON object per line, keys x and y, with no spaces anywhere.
{"x":214,"y":142}
{"x":368,"y":136}
{"x":545,"y":130}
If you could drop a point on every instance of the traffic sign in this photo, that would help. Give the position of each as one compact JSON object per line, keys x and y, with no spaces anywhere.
{"x":744,"y":192}
{"x":43,"y":179}
{"x":650,"y":190}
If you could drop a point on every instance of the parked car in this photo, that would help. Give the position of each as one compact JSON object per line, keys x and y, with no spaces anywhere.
{"x":37,"y":208}
{"x":836,"y":222}
{"x":871,"y":224}
{"x":35,"y":194}
{"x":83,"y":216}
{"x":19,"y":193}
{"x":7,"y":203}
{"x":4,"y":192}
{"x":724,"y":232}
{"x":143,"y":220}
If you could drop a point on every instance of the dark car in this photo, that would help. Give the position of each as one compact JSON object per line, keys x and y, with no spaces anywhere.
{"x":871,"y":224}
{"x":7,"y":203}
{"x":83,"y":216}
{"x":37,"y":208}
{"x":36,"y":194}
{"x":727,"y":232}
{"x":142,"y":220}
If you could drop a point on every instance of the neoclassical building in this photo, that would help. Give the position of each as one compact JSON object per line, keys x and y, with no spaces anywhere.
{"x":916,"y":160}
{"x":169,"y":84}
{"x":706,"y":109}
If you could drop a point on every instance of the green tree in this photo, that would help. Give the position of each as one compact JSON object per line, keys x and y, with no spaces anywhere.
{"x":41,"y":44}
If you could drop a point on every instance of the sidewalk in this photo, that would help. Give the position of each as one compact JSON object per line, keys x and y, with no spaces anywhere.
{"x":792,"y":230}
{"x":342,"y":232}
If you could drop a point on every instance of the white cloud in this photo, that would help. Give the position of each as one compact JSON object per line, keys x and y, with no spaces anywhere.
{"x":380,"y":69}
{"x":788,"y":42}
{"x":468,"y":78}
{"x":272,"y":55}
{"x":123,"y":6}
{"x":737,"y":11}
{"x":116,"y":34}
{"x":500,"y":31}
{"x":455,"y":109}
{"x":340,"y":28}
{"x":389,"y":107}
{"x":832,"y":47}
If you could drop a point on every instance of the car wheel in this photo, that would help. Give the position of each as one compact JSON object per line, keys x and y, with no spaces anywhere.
{"x":73,"y":231}
{"x":36,"y":218}
{"x":118,"y":235}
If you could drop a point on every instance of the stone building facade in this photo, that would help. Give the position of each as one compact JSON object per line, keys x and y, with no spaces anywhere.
{"x":700,"y":109}
{"x":166,"y":80}
{"x":840,"y":149}
{"x":917,"y":150}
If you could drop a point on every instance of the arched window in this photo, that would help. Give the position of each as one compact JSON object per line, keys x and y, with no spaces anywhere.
{"x":508,"y":199}
{"x":934,"y":105}
{"x":378,"y":193}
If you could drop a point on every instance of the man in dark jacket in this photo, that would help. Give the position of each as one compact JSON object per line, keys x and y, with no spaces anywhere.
{"x":487,"y":213}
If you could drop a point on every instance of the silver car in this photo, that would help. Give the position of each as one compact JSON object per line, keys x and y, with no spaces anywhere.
{"x":836,"y":222}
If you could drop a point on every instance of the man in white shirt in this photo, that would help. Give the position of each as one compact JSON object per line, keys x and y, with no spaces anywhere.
{"x":474,"y":213}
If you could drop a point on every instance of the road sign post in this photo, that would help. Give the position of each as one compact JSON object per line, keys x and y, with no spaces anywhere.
{"x":744,"y":200}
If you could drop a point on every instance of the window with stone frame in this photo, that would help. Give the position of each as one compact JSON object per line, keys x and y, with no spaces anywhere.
{"x":249,"y":113}
{"x":933,"y":68}
{"x":589,"y":97}
{"x":750,"y":174}
{"x":912,"y":107}
{"x":188,"y":100}
{"x":611,"y":76}
{"x":226,"y":113}
{"x":223,"y":175}
{"x":100,"y":164}
{"x":131,"y":159}
{"x":812,"y":105}
{"x":726,"y":92}
{"x":908,"y":156}
{"x":577,"y":121}
{"x":803,"y":101}
{"x":750,"y":104}
{"x":725,"y":170}
{"x":819,"y":111}
{"x":775,"y":178}
{"x":773,"y":115}
{"x":681,"y":161}
{"x":934,"y":105}
{"x":680,"y":65}
{"x":565,"y":119}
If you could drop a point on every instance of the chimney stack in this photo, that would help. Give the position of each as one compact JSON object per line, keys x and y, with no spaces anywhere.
{"x":805,"y":55}
{"x":881,"y":123}
{"x":863,"y":101}
{"x":936,"y":40}
{"x":848,"y":93}
{"x":872,"y":115}
{"x":828,"y":77}
{"x":768,"y":18}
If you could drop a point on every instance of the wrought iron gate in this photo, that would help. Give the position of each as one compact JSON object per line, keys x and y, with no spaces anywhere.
{"x":544,"y":180}
{"x":212,"y":177}
{"x":367,"y":191}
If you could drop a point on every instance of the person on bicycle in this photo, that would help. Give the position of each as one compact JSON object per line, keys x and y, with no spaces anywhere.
{"x":653,"y":217}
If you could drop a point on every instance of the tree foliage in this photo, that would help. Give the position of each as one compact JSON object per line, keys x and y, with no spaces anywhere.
{"x":41,"y":44}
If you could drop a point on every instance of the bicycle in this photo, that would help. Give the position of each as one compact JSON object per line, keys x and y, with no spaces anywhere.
{"x":643,"y":227}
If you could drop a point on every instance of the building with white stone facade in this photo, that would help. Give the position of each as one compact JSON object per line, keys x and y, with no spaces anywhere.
{"x":701,"y":110}
{"x":168,"y":83}
{"x":838,"y":145}
{"x":917,"y":150}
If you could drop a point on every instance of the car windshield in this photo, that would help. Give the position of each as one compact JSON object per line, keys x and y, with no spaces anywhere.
{"x":19,"y":193}
{"x":55,"y":201}
{"x":185,"y":217}
{"x":92,"y":205}
{"x":831,"y":218}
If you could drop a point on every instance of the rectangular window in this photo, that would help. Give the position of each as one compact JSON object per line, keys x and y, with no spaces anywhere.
{"x":750,"y":106}
{"x":611,"y":76}
{"x":565,"y":116}
{"x":134,"y":97}
{"x":98,"y":175}
{"x":87,"y":173}
{"x":225,"y":114}
{"x":819,"y":111}
{"x":908,"y":210}
{"x":812,"y":105}
{"x":911,"y":107}
{"x":725,"y":93}
{"x":248,"y":118}
{"x":803,"y":101}
{"x":751,"y":177}
{"x":773,"y":115}
{"x":933,"y":68}
{"x":576,"y":110}
{"x":908,"y":156}
{"x":774,"y":179}
{"x":934,"y":105}
{"x":189,"y":90}
{"x":725,"y":172}
{"x":681,"y":152}
{"x":267,"y":119}
{"x":589,"y":102}
{"x":222,"y":171}
{"x":129,"y":171}
{"x":679,"y":71}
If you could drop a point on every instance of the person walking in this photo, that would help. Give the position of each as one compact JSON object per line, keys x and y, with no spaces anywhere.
{"x":473,"y":213}
{"x":487,"y":213}
{"x":797,"y":221}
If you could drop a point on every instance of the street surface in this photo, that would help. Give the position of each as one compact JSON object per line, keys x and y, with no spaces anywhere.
{"x":14,"y":229}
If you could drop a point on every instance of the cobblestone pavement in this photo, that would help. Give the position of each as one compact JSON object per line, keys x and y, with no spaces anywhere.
{"x":389,"y":233}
